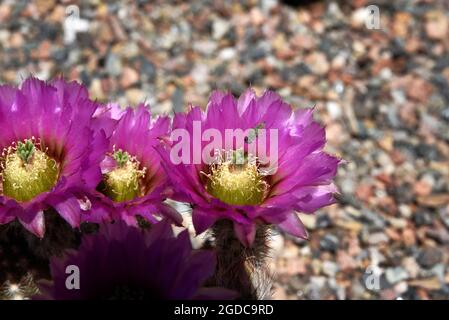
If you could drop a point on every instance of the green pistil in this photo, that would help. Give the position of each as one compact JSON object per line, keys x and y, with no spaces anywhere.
{"x":254,"y":133}
{"x":239,"y":157}
{"x":25,"y":151}
{"x":121,"y":157}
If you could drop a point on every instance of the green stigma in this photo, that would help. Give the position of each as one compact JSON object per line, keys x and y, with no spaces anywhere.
{"x":121,"y":157}
{"x":27,"y":172}
{"x":237,"y":183}
{"x":25,"y":150}
{"x":123,"y":182}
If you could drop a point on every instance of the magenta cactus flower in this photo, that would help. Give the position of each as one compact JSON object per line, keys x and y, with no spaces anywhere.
{"x":277,"y":168}
{"x":125,"y":263}
{"x":133,"y":182}
{"x":48,"y":152}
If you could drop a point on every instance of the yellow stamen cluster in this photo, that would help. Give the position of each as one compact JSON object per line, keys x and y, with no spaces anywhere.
{"x":123,"y":182}
{"x":25,"y":177}
{"x":237,"y":184}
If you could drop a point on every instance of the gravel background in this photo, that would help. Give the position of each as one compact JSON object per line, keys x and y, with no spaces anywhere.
{"x":382,"y":94}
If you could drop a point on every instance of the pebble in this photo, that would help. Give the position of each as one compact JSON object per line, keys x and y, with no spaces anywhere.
{"x":428,"y":284}
{"x":113,"y":65}
{"x":437,"y":25}
{"x":373,"y":219}
{"x":401,"y":287}
{"x":334,"y":109}
{"x":135,"y":96}
{"x":409,"y":237}
{"x":359,"y":17}
{"x":429,"y":257}
{"x":129,"y":77}
{"x":434,"y":200}
{"x":220,"y":28}
{"x":377,"y":238}
{"x":330,"y":268}
{"x":422,"y":218}
{"x":329,"y":243}
{"x":397,"y":223}
{"x":148,"y":69}
{"x":395,"y":275}
{"x":309,"y":221}
{"x":323,"y":221}
{"x":227,"y":54}
{"x":96,"y":90}
{"x":318,"y":63}
{"x":411,"y":266}
{"x":405,"y":211}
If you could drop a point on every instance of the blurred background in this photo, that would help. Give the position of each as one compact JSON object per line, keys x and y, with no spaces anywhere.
{"x":381,"y":90}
